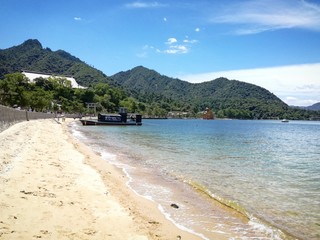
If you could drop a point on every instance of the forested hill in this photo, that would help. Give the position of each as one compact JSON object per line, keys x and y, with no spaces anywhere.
{"x":143,"y":81}
{"x":144,"y":90}
{"x":244,"y":99}
{"x":31,"y":56}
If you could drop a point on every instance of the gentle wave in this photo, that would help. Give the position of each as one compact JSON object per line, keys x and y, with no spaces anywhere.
{"x":215,"y":158}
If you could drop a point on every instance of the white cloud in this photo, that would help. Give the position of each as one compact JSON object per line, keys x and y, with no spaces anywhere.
{"x":174,"y":47}
{"x":165,"y":19}
{"x":177,"y":49}
{"x":268,"y":15}
{"x":294,"y":84}
{"x":77,"y":18}
{"x":139,"y":4}
{"x":190,"y":41}
{"x":197,"y":29}
{"x":171,"y":41}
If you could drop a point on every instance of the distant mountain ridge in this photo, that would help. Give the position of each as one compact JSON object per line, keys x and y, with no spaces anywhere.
{"x":31,"y":56}
{"x":314,"y":107}
{"x":220,"y":93}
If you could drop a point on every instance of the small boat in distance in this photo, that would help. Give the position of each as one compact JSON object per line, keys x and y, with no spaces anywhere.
{"x":284,"y":120}
{"x":120,"y":119}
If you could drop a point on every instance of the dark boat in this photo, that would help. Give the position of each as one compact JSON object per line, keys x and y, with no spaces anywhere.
{"x":120,"y":119}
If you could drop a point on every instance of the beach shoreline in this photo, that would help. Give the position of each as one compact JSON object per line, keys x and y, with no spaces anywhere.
{"x":205,"y":213}
{"x":55,"y":187}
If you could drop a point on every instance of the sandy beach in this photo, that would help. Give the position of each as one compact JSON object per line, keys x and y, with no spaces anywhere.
{"x":54,"y":187}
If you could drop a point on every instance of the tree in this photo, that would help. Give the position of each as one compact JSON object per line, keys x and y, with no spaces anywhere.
{"x":39,"y":99}
{"x":13,"y":90}
{"x":129,"y":103}
{"x":44,"y":83}
{"x":101,"y":89}
{"x":84,"y":95}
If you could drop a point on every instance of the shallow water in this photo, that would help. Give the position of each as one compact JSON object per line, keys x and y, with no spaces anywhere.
{"x":266,"y":170}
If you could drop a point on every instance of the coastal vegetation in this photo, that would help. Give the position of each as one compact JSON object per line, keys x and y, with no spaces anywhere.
{"x":55,"y":94}
{"x":139,"y":89}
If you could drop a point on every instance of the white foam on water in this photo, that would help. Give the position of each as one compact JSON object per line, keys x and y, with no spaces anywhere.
{"x":168,"y":216}
{"x":268,"y":230}
{"x":161,"y":209}
{"x":130,"y":180}
{"x":110,"y":157}
{"x":75,"y":132}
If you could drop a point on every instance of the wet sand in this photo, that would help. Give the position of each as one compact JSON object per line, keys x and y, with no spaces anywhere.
{"x":54,"y":187}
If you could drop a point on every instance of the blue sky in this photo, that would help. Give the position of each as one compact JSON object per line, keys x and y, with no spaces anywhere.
{"x":271,"y":43}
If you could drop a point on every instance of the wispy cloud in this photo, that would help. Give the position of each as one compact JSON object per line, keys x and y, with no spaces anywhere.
{"x":190,"y":41}
{"x":176,"y":47}
{"x":257,"y":16}
{"x":295,"y":84}
{"x":77,"y":18}
{"x":172,"y":46}
{"x":146,"y":49}
{"x":139,"y":4}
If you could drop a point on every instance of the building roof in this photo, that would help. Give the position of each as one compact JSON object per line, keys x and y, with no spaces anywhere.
{"x":33,"y":75}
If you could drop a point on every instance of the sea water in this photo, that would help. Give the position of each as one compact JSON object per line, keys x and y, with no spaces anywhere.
{"x":231,"y":179}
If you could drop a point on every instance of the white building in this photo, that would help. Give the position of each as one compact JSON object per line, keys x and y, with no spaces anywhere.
{"x":33,"y":75}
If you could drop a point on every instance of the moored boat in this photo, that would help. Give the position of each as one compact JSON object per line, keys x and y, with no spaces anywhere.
{"x":120,"y":119}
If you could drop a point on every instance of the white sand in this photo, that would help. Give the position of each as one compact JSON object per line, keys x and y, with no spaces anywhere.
{"x":53,"y":187}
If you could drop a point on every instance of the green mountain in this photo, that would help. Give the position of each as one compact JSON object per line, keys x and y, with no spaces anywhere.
{"x":31,"y":56}
{"x":143,"y":81}
{"x":144,"y":90}
{"x":243,"y":99}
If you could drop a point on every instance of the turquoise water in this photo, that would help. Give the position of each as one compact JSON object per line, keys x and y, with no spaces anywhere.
{"x":267,"y":170}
